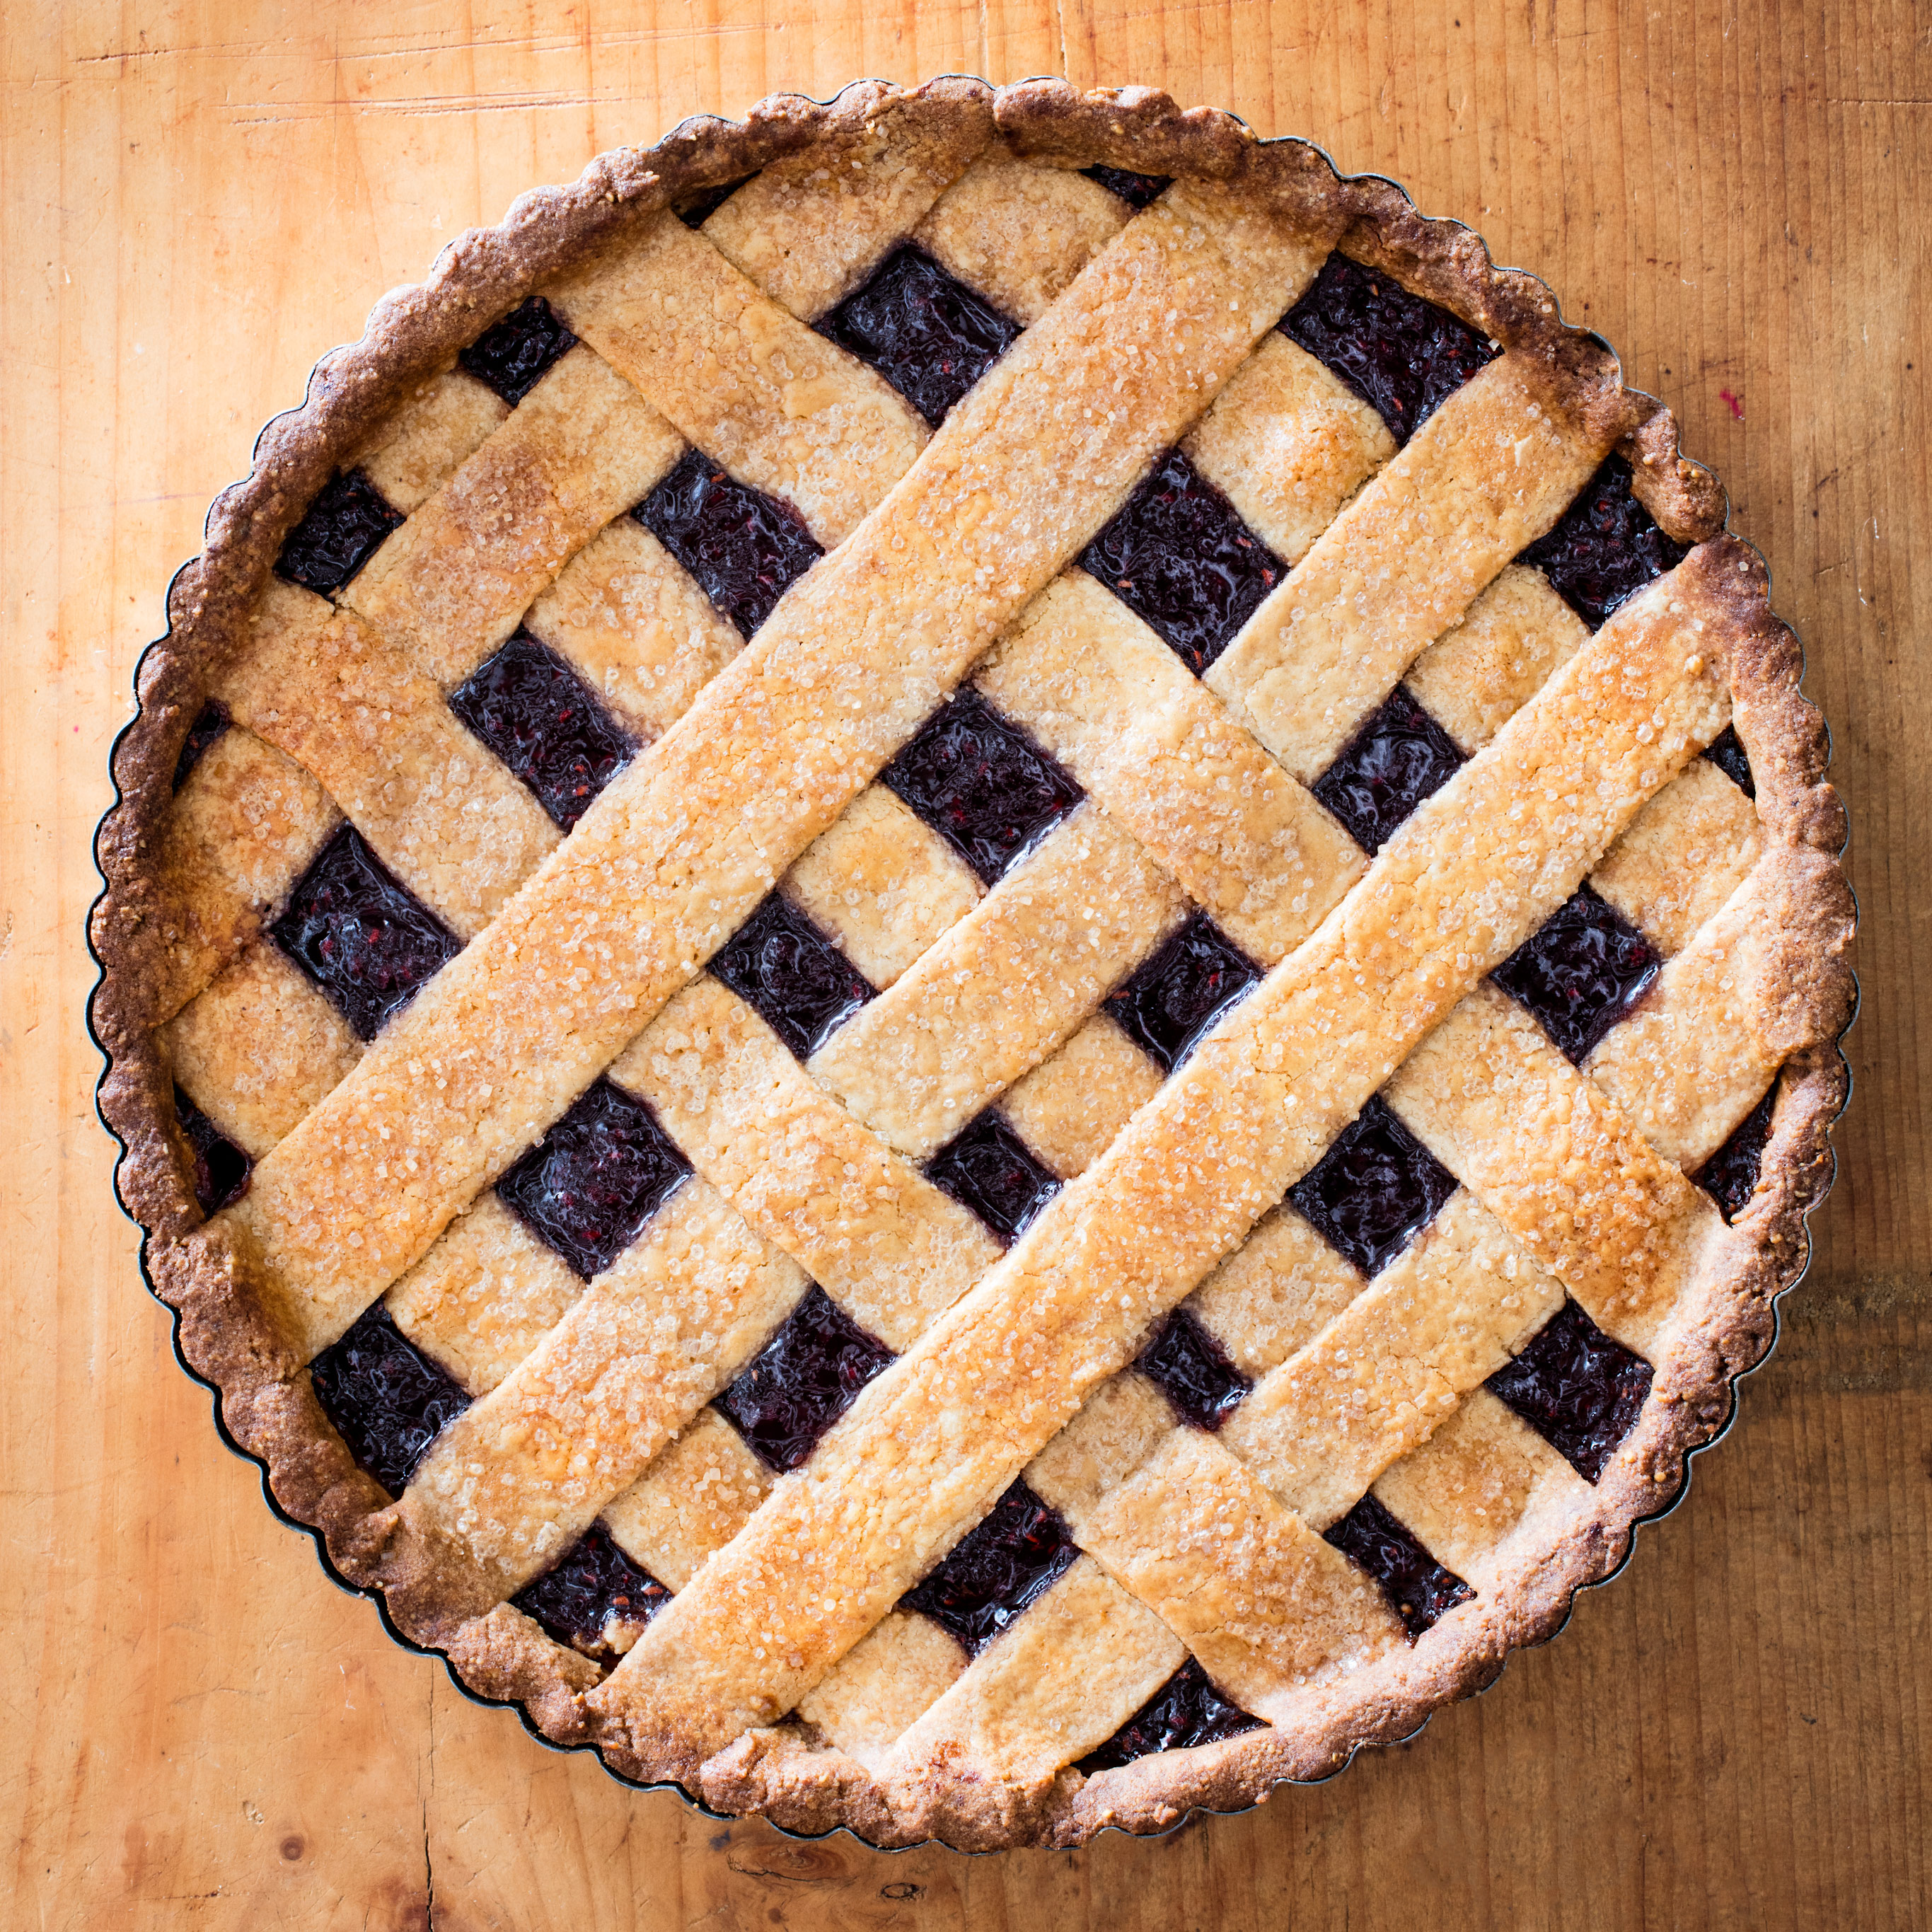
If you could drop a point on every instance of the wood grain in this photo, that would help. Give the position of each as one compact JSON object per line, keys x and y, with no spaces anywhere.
{"x":199,"y":197}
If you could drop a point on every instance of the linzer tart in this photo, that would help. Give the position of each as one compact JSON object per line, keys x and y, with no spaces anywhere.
{"x":973,"y":962}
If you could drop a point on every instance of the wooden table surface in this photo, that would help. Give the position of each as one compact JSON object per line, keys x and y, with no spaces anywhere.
{"x":198,"y":196}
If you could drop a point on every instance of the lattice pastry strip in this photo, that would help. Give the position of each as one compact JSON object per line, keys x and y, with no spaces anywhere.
{"x":441,"y":811}
{"x":1492,"y":469}
{"x":259,"y":1047}
{"x":431,"y":437}
{"x":245,"y":825}
{"x":1484,"y":1486}
{"x":451,"y":585}
{"x":808,"y":229}
{"x":1004,"y":987}
{"x":517,"y":1477}
{"x":630,"y":620}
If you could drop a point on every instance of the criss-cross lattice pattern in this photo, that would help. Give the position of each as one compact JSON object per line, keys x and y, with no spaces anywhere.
{"x":1067,"y":1072}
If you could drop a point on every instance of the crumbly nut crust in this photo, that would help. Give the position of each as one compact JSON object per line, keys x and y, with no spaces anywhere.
{"x":158,"y":939}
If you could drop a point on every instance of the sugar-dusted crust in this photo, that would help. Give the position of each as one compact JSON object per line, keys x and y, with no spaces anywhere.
{"x":231,"y":1335}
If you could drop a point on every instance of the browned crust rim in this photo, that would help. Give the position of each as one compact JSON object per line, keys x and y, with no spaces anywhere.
{"x":268,"y":1409}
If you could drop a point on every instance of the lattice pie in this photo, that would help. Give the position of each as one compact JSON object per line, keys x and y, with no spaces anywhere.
{"x":972,"y":962}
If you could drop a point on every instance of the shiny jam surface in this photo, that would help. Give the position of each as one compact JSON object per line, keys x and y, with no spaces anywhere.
{"x":1401,"y":354}
{"x":1177,"y":994}
{"x":1017,"y":1550}
{"x":987,"y":1167}
{"x":1400,"y":757}
{"x":982,"y":784}
{"x":1192,"y":1370}
{"x":802,"y":1382}
{"x":1375,"y":1190}
{"x":1418,"y":1588}
{"x":362,"y":937}
{"x":386,"y":1398}
{"x":345,"y":525}
{"x":1580,"y":972}
{"x":1605,"y":547}
{"x":1729,"y":1176}
{"x":221,"y":1169}
{"x":1179,"y":557}
{"x":744,"y":547}
{"x":927,"y":333}
{"x":595,"y":1178}
{"x":546,"y":724}
{"x":1186,"y":1712}
{"x":512,"y":355}
{"x":594,"y":1585}
{"x":779,"y":963}
{"x":1579,"y":1390}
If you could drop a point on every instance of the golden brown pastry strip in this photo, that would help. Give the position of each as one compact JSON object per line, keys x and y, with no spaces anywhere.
{"x":449,"y":586}
{"x":1557,"y":1162}
{"x":441,"y":810}
{"x":1490,"y":471}
{"x":516,"y":1478}
{"x":872,"y":1230}
{"x":1004,"y":987}
{"x":1109,"y":699}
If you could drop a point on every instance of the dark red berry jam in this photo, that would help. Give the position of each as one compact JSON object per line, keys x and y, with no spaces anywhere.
{"x":1577,"y":1388}
{"x":1375,"y":1190}
{"x":221,"y":1169}
{"x":1018,"y":1549}
{"x":802,"y":1381}
{"x":512,"y":356}
{"x":1419,"y":1588}
{"x":792,"y":974}
{"x":1135,"y":190}
{"x":546,"y":724}
{"x":1400,"y":757}
{"x":1402,"y":354}
{"x":201,"y":735}
{"x":388,"y":1400}
{"x":1580,"y":972}
{"x":987,"y":1167}
{"x":927,"y":333}
{"x":703,"y":205}
{"x":594,"y":1584}
{"x":1185,"y":1712}
{"x":595,"y":1178}
{"x":1192,"y":1370}
{"x":1727,"y":751}
{"x":744,"y":547}
{"x":1729,"y":1176}
{"x":362,"y":937}
{"x":346,"y":524}
{"x":982,"y":784}
{"x":1179,"y":556}
{"x":1174,"y":997}
{"x":1605,"y":547}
